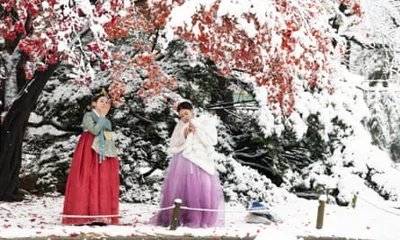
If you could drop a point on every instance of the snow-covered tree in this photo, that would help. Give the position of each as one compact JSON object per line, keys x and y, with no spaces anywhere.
{"x":39,"y":36}
{"x":375,"y":55}
{"x":276,"y":42}
{"x":284,"y":53}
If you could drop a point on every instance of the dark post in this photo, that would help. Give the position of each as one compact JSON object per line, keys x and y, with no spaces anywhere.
{"x":175,"y":214}
{"x":354,"y":201}
{"x":321,"y":211}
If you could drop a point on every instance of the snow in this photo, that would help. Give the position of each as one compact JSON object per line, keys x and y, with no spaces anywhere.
{"x":370,"y":219}
{"x":183,"y":14}
{"x":11,"y":85}
{"x":373,"y":217}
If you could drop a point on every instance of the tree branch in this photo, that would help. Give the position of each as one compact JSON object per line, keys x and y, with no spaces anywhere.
{"x":143,"y":118}
{"x":343,"y":7}
{"x":254,"y":155}
{"x":148,"y":173}
{"x":228,"y":104}
{"x":155,"y":40}
{"x":370,"y":46}
{"x":10,"y":45}
{"x":56,"y":125}
{"x":394,"y":21}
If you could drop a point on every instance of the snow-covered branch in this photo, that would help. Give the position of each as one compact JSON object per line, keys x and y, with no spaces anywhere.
{"x":55,"y":124}
{"x":364,"y":45}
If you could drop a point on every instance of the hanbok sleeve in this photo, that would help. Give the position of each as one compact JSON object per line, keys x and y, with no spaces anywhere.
{"x":178,"y":140}
{"x":178,"y":137}
{"x":91,"y":125}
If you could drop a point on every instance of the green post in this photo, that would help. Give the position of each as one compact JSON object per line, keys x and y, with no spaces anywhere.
{"x":175,"y":214}
{"x":321,"y":211}
{"x":354,"y":200}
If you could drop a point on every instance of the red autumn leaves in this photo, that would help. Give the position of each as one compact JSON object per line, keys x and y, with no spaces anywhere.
{"x":289,"y":43}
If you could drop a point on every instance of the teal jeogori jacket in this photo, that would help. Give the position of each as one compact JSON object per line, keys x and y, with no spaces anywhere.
{"x":99,"y":126}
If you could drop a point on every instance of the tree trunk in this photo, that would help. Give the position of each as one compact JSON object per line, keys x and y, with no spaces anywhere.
{"x":226,"y":94}
{"x":12,"y":132}
{"x":3,"y":74}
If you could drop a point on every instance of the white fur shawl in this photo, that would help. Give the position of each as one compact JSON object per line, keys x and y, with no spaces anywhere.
{"x":198,"y":147}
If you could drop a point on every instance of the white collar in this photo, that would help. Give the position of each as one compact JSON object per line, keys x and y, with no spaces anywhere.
{"x":96,"y":112}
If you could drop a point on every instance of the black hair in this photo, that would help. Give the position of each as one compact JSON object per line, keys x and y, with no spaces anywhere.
{"x":184,"y":105}
{"x":103,"y":93}
{"x":97,"y":97}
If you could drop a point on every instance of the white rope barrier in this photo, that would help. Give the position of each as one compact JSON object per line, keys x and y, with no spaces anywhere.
{"x":116,"y":215}
{"x":226,"y":211}
{"x":5,"y":208}
{"x":90,"y":216}
{"x":183,"y":208}
{"x":143,"y":212}
{"x":162,"y":209}
{"x":378,"y":207}
{"x":261,"y":210}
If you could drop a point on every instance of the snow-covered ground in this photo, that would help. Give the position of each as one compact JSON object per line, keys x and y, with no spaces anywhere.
{"x":39,"y":217}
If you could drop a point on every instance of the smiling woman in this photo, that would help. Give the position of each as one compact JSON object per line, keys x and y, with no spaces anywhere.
{"x":93,"y":181}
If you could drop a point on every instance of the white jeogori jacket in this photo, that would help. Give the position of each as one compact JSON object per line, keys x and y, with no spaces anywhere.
{"x":198,"y":147}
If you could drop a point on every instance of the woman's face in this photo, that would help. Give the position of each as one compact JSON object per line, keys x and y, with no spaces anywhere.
{"x":102,"y":104}
{"x":186,"y":115}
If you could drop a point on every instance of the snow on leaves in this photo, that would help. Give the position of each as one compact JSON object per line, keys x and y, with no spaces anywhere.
{"x":80,"y":34}
{"x":52,"y":31}
{"x":142,"y":23}
{"x":274,"y":41}
{"x":353,"y":6}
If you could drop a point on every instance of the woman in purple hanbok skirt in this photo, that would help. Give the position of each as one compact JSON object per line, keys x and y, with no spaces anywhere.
{"x":191,"y":175}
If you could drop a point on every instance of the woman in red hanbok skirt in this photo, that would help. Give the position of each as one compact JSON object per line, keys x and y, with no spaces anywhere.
{"x":93,"y":182}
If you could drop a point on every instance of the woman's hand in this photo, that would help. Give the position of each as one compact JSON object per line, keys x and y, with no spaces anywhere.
{"x":190,"y":129}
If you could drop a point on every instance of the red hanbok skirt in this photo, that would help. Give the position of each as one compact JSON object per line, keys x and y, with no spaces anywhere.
{"x":92,"y":187}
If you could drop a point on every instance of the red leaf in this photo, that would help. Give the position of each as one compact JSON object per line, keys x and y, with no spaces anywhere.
{"x":11,"y":35}
{"x":6,"y":225}
{"x":19,"y":27}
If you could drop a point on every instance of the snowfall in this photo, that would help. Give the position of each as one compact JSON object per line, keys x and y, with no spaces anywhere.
{"x":371,"y":218}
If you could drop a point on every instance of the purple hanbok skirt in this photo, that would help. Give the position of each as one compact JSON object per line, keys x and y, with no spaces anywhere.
{"x":197,"y":189}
